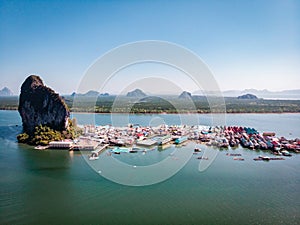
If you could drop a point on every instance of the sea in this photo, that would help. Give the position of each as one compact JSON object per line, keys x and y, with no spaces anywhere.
{"x":61,"y":187}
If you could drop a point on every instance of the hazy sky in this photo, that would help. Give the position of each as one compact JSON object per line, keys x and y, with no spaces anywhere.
{"x":247,"y":44}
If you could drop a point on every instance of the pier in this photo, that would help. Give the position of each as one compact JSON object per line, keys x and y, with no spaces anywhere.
{"x":97,"y":151}
{"x":85,"y":144}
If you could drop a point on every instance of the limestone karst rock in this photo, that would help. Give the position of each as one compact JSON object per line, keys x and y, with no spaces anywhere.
{"x":40,"y":105}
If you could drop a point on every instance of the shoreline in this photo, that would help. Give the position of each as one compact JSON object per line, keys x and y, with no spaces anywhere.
{"x":220,"y":137}
{"x":167,"y":113}
{"x":186,"y":113}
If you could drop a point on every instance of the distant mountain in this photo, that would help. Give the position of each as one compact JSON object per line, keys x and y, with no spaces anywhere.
{"x":286,"y":94}
{"x":6,"y":92}
{"x":90,"y":93}
{"x":247,"y":96}
{"x":291,"y":92}
{"x":266,"y":94}
{"x":185,"y":95}
{"x":137,"y":93}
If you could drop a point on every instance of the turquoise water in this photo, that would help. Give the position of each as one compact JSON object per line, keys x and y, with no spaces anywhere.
{"x":57,"y":187}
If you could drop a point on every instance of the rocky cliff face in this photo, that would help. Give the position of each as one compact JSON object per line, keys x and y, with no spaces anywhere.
{"x":40,"y":105}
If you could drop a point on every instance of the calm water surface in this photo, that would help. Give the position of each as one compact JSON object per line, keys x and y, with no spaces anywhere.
{"x":57,"y":187}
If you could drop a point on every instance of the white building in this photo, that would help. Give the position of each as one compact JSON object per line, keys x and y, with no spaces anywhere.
{"x":60,"y":144}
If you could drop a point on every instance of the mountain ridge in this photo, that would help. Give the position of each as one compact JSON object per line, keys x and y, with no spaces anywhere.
{"x":6,"y":92}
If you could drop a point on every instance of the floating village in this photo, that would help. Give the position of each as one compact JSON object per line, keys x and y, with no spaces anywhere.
{"x":135,"y":138}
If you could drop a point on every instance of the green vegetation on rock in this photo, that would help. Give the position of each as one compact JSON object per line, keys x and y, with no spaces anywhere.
{"x":23,"y":138}
{"x":72,"y":131}
{"x":43,"y":135}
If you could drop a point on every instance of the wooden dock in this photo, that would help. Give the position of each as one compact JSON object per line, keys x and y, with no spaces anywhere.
{"x":99,"y":149}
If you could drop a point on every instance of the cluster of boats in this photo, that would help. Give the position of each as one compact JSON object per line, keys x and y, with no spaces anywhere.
{"x":119,"y":150}
{"x":133,"y":137}
{"x":138,"y":135}
{"x":237,"y":156}
{"x":267,"y":158}
{"x":249,"y":138}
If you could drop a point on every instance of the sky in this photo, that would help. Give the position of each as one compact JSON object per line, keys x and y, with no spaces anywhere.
{"x":246,"y":44}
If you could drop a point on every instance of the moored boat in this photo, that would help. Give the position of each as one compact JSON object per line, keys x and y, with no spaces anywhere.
{"x":164,"y":139}
{"x":93,"y":156}
{"x":233,"y":143}
{"x":233,"y":154}
{"x":238,"y":158}
{"x":40,"y":147}
{"x":266,"y":158}
{"x":286,"y":153}
{"x":118,"y":150}
{"x":197,"y":150}
{"x":181,"y":140}
{"x":202,"y":157}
